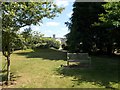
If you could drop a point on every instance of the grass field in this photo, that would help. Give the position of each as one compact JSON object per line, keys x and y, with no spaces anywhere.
{"x":42,"y":69}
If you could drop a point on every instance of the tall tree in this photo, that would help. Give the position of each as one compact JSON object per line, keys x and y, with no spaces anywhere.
{"x":84,"y":15}
{"x":111,"y":21}
{"x":19,"y":14}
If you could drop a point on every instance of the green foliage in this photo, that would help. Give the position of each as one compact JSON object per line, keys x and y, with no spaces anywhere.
{"x":36,"y":40}
{"x":112,"y":14}
{"x":112,"y":23}
{"x":26,"y":34}
{"x":50,"y":42}
{"x":31,"y":39}
{"x":98,"y":29}
{"x":108,"y":30}
{"x":84,"y":16}
{"x":10,"y":42}
{"x":19,"y":14}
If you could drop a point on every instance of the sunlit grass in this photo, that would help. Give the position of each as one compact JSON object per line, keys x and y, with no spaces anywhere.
{"x":42,"y":69}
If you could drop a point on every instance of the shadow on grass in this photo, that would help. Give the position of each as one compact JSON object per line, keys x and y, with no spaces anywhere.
{"x":104,"y":73}
{"x":50,"y":54}
{"x":3,"y":76}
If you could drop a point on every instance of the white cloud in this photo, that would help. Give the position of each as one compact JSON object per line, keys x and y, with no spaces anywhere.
{"x":70,"y":14}
{"x":52,"y":24}
{"x":62,"y":3}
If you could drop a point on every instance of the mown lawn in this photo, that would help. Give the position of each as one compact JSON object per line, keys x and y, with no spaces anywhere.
{"x":41,"y":68}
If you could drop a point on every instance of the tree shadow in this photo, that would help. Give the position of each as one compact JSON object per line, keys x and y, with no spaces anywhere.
{"x":3,"y":75}
{"x":50,"y":54}
{"x":103,"y":73}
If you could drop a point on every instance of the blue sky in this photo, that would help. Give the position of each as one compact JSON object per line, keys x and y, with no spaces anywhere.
{"x":56,"y":26}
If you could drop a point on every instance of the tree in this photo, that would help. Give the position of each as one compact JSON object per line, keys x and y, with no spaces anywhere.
{"x":85,"y":14}
{"x":9,"y":42}
{"x":19,"y":14}
{"x":50,"y":42}
{"x":26,"y":33}
{"x":106,"y":31}
{"x":97,"y":30}
{"x":36,"y":39}
{"x":111,"y":22}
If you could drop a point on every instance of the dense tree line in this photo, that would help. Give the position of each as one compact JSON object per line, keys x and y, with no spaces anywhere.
{"x":94,"y":27}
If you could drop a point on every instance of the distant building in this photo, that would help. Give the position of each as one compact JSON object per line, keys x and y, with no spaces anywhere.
{"x":53,"y":35}
{"x":61,"y":40}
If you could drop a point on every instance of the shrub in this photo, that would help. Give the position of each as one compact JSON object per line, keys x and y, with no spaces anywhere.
{"x":64,"y":47}
{"x":49,"y":42}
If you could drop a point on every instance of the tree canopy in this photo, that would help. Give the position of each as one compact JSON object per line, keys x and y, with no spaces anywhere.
{"x":19,"y":14}
{"x":84,"y":15}
{"x":94,"y":27}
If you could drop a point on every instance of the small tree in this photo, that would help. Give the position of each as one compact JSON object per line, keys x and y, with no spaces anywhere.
{"x":9,"y":42}
{"x":19,"y":14}
{"x":50,"y":42}
{"x":36,"y":39}
{"x":26,"y":33}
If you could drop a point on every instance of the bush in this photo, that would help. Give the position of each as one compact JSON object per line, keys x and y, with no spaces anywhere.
{"x":41,"y":43}
{"x":64,"y":47}
{"x":49,"y":42}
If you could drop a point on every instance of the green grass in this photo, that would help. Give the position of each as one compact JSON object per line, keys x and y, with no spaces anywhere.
{"x":42,"y":69}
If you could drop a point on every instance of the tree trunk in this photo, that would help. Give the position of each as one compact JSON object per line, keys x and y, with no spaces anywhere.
{"x":8,"y":70}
